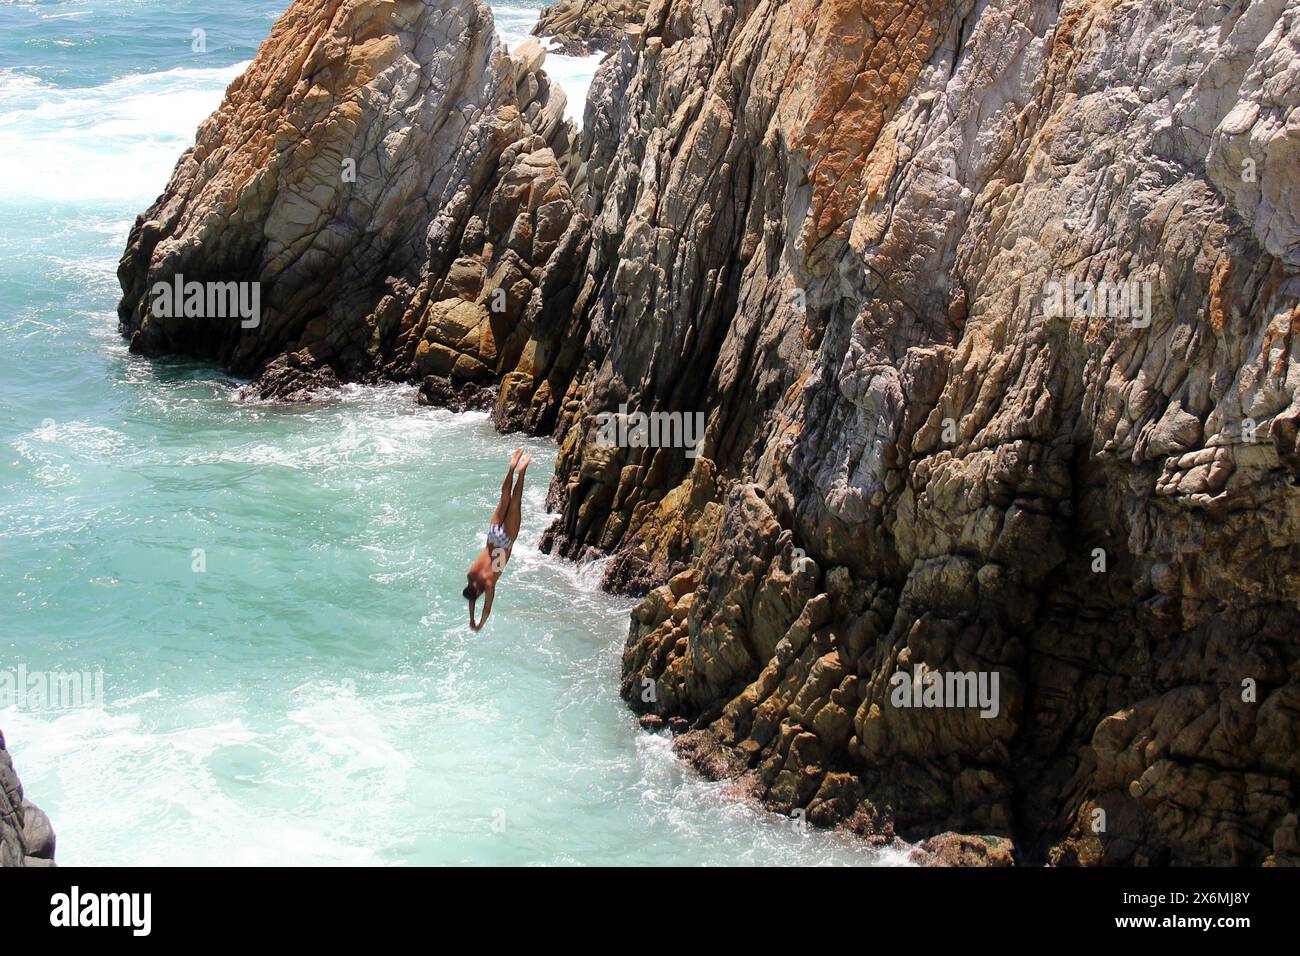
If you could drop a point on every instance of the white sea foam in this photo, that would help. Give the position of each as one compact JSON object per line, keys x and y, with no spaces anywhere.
{"x":574,"y":74}
{"x":215,"y":790}
{"x":117,"y":141}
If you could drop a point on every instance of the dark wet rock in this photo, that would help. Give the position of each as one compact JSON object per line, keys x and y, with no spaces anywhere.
{"x":439,"y":392}
{"x":295,"y":377}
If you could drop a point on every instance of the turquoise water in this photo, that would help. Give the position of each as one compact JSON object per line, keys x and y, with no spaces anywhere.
{"x":273,"y":594}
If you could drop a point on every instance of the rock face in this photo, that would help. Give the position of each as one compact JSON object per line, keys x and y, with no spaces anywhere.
{"x":394,"y":182}
{"x":836,"y":229}
{"x":987,"y":308}
{"x":580,"y":27}
{"x":26,"y":837}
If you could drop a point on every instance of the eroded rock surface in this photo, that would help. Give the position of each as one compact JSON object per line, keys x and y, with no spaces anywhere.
{"x":833,"y":227}
{"x":26,"y":837}
{"x":395,"y":182}
{"x":580,"y":27}
{"x":960,"y":849}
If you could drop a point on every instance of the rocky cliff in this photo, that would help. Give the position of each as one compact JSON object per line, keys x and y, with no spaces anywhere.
{"x":987,"y":308}
{"x":393,"y":181}
{"x":26,"y":838}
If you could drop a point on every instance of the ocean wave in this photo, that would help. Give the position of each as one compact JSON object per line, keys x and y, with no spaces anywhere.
{"x":116,"y":141}
{"x":207,"y":791}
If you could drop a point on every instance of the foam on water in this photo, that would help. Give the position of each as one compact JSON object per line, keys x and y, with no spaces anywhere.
{"x":574,"y":73}
{"x":315,"y":695}
{"x":119,"y":141}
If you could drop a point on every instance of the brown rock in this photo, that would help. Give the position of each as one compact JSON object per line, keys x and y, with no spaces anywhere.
{"x":396,"y":210}
{"x":961,"y":849}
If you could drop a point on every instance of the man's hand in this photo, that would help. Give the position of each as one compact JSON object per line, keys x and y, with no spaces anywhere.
{"x":487,"y":609}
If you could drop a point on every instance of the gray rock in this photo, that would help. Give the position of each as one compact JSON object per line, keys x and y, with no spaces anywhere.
{"x":38,"y":834}
{"x":582,"y":27}
{"x":854,"y":287}
{"x":26,"y":837}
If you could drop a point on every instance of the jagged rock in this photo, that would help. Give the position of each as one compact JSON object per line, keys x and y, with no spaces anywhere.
{"x":961,"y":849}
{"x":26,"y":837}
{"x":846,"y":261}
{"x":396,"y":184}
{"x":580,"y":27}
{"x":293,"y":377}
{"x":440,"y":393}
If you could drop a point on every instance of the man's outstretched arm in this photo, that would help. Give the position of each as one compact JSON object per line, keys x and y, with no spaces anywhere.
{"x":487,"y":609}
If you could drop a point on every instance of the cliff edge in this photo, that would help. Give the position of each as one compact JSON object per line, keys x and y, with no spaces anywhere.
{"x":387,"y":182}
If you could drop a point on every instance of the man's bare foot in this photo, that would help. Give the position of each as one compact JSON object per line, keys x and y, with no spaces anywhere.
{"x":514,"y":459}
{"x":523,"y":463}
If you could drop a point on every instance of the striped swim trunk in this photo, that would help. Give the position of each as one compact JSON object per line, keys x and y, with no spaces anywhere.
{"x":497,"y":537}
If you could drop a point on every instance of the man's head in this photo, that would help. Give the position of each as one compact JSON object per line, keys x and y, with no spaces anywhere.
{"x":473,"y":589}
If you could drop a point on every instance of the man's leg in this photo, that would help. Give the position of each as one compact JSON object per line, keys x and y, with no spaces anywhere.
{"x":503,"y":503}
{"x":514,"y":514}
